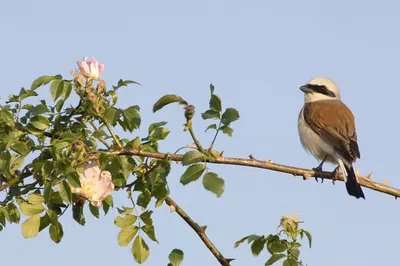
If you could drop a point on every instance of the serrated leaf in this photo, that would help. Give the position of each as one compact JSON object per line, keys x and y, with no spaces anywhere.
{"x":126,"y":235}
{"x":123,"y":222}
{"x":156,"y":125}
{"x":192,"y":157}
{"x":140,"y":250}
{"x":149,"y":230}
{"x":192,"y":173}
{"x":213,"y":126}
{"x":30,"y":227}
{"x":215,"y":103}
{"x":35,"y":199}
{"x":65,"y":191}
{"x":146,"y":217}
{"x":39,"y":109}
{"x":56,"y":232}
{"x":159,"y":133}
{"x":122,"y":83}
{"x":237,"y":243}
{"x":274,"y":258}
{"x":230,"y":115}
{"x":56,"y":89}
{"x":66,"y":89}
{"x":209,"y":114}
{"x":176,"y":257}
{"x":31,"y":209}
{"x":94,"y":210}
{"x":77,"y":214}
{"x":113,"y":114}
{"x":213,"y":183}
{"x":227,"y":130}
{"x":258,"y":245}
{"x":308,"y":236}
{"x":43,"y":80}
{"x":294,"y":252}
{"x":73,"y":179}
{"x":167,"y":99}
{"x":40,"y":122}
{"x":290,"y":262}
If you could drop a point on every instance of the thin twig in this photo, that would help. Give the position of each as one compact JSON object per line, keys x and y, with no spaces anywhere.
{"x":305,"y":173}
{"x":102,"y":140}
{"x":215,"y":137}
{"x":199,"y":231}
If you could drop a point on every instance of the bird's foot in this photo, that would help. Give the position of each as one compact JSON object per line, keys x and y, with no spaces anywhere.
{"x":319,"y":170}
{"x":335,"y":174}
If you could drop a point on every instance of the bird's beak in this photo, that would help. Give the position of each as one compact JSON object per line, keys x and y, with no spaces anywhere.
{"x":306,"y":89}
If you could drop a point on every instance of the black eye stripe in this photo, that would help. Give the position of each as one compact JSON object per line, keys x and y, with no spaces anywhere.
{"x":321,"y":89}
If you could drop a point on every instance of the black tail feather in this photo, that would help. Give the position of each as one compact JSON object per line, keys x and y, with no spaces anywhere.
{"x":352,"y":185}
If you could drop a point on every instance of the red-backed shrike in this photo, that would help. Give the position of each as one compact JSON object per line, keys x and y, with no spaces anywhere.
{"x":327,"y":130}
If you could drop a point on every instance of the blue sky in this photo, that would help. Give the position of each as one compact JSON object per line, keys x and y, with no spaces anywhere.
{"x":257,"y":54}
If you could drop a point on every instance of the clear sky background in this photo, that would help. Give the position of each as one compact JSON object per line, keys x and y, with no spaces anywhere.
{"x":257,"y":54}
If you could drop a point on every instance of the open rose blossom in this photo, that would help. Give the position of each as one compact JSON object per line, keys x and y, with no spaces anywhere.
{"x":91,"y":69}
{"x":96,"y":185}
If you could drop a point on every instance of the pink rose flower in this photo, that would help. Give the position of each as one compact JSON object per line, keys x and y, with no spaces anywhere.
{"x":96,"y":185}
{"x":91,"y":69}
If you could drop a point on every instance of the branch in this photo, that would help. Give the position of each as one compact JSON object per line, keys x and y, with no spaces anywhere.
{"x":305,"y":173}
{"x":200,"y":231}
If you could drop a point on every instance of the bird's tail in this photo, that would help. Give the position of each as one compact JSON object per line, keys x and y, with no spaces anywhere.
{"x":352,"y":185}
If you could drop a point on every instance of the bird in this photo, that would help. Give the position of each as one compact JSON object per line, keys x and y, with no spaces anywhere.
{"x":327,"y":130}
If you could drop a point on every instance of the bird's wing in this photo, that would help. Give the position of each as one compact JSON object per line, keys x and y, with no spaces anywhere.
{"x":334,"y":123}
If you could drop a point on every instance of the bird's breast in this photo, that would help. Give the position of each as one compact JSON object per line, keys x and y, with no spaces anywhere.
{"x":313,"y":143}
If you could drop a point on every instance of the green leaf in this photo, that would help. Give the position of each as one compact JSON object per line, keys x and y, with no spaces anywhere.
{"x":125,"y":210}
{"x":210,"y":114}
{"x":56,"y":232}
{"x":156,"y":125}
{"x":213,"y":126}
{"x":128,"y":220}
{"x":227,"y":130}
{"x":167,"y":99}
{"x":39,"y":109}
{"x":274,"y":258}
{"x":35,"y":199}
{"x":258,"y":245}
{"x":40,"y":122}
{"x":212,"y":88}
{"x":237,"y":243}
{"x":113,"y":114}
{"x":66,"y":89}
{"x":215,"y":103}
{"x":213,"y":183}
{"x":73,"y":179}
{"x":277,"y":247}
{"x":230,"y":115}
{"x":290,"y":262}
{"x":31,"y":209}
{"x":56,"y":89}
{"x":131,"y":118}
{"x":308,"y":236}
{"x":149,"y":230}
{"x":30,"y":227}
{"x":176,"y":257}
{"x":192,"y":157}
{"x":122,"y":83}
{"x":77,"y":214}
{"x":65,"y":191}
{"x":43,"y":80}
{"x":126,"y":235}
{"x":140,"y":250}
{"x":192,"y":173}
{"x":159,"y":133}
{"x":94,"y":210}
{"x":146,"y":217}
{"x":294,"y":252}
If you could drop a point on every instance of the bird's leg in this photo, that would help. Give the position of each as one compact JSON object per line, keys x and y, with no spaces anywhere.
{"x":334,"y":174}
{"x":319,"y":169}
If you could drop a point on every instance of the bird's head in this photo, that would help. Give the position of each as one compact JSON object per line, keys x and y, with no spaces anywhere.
{"x":320,"y":88}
